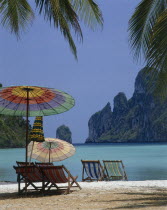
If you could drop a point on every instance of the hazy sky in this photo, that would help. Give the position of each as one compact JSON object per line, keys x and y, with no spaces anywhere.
{"x":105,"y":65}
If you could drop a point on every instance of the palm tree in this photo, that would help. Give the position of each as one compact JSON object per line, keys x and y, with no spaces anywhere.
{"x":64,"y":15}
{"x":148,"y":38}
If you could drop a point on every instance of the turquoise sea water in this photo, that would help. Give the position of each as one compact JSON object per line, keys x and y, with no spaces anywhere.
{"x":142,"y":161}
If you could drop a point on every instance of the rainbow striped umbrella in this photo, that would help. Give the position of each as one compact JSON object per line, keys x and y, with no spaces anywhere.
{"x":41,"y":101}
{"x":33,"y":101}
{"x":51,"y":150}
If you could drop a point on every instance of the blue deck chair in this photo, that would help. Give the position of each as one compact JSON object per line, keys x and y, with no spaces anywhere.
{"x":115,"y":170}
{"x":93,"y":170}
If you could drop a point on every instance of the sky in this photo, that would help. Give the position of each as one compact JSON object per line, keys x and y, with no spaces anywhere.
{"x":104,"y":68}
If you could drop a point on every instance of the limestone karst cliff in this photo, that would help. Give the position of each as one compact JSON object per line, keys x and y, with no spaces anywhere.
{"x":142,"y":118}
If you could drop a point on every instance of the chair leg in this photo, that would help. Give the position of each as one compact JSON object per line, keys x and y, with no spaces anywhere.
{"x":83,"y":174}
{"x":68,"y":188}
{"x":74,"y":181}
{"x":24,"y":188}
{"x":18,"y":180}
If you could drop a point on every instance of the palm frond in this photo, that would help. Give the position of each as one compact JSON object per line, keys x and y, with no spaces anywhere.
{"x":63,"y":16}
{"x":89,"y":12}
{"x":141,"y":25}
{"x":15,"y":15}
{"x":157,"y":53}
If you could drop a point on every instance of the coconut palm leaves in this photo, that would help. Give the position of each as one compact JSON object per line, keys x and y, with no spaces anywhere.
{"x":89,"y":12}
{"x":62,"y":14}
{"x":148,"y":36}
{"x":15,"y":14}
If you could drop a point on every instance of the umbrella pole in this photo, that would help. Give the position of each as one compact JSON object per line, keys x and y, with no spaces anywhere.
{"x":31,"y":152}
{"x":27,"y":134}
{"x":27,"y":123}
{"x":49,"y":151}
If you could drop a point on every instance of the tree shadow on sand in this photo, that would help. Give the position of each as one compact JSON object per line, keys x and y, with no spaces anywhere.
{"x":15,"y":195}
{"x":145,"y":200}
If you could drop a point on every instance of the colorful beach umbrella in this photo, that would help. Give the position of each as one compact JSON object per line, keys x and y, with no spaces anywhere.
{"x":51,"y":150}
{"x":33,"y":101}
{"x":41,"y":101}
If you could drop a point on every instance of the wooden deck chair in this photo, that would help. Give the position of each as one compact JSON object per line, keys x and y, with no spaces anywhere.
{"x":24,"y":163}
{"x":58,"y":175}
{"x":43,"y":164}
{"x":93,"y":170}
{"x":115,"y":170}
{"x":30,"y":175}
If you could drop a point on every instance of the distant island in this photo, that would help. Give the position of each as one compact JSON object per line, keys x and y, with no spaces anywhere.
{"x":142,"y":118}
{"x":63,"y":132}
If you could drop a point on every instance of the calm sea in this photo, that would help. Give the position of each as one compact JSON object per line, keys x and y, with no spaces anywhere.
{"x":142,"y":161}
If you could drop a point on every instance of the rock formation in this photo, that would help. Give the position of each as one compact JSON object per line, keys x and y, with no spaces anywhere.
{"x":142,"y":118}
{"x":63,"y":132}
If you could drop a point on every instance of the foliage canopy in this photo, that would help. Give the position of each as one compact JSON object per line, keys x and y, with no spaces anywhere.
{"x":65,"y":15}
{"x":148,"y":37}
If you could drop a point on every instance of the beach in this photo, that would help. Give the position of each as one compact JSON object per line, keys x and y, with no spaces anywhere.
{"x":95,"y":195}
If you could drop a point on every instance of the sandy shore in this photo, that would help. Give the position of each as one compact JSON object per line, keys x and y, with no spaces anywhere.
{"x":97,"y":195}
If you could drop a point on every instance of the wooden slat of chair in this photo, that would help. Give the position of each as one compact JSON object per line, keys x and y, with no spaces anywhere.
{"x":24,"y":163}
{"x":125,"y":175}
{"x":43,"y":164}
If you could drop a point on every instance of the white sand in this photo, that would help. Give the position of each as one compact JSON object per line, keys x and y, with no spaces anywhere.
{"x":102,"y":185}
{"x":144,"y":195}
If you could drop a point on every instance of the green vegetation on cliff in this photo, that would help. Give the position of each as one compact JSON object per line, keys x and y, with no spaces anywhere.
{"x":142,"y":118}
{"x":12,"y":131}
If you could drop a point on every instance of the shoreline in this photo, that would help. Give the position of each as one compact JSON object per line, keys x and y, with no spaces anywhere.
{"x":7,"y":187}
{"x":107,"y":143}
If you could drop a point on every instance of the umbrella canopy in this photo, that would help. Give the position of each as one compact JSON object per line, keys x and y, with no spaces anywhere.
{"x":36,"y":133}
{"x":51,"y":150}
{"x":41,"y":101}
{"x":33,"y":101}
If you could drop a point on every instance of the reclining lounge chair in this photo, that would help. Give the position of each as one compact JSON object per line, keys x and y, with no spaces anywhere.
{"x":93,"y":170}
{"x":30,"y":175}
{"x":115,"y":170}
{"x":57,"y":175}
